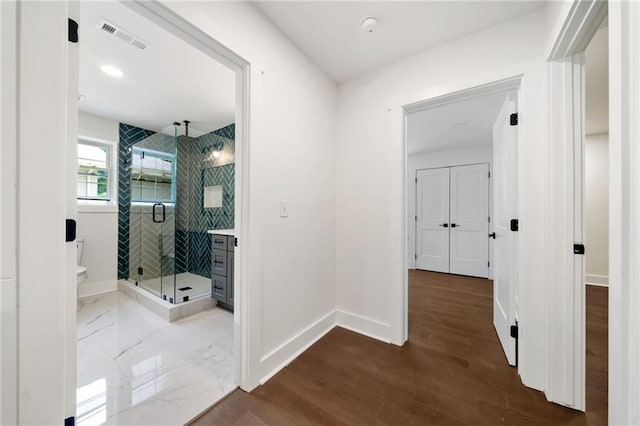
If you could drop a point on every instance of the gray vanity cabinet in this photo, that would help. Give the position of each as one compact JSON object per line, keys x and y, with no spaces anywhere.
{"x":222,"y":268}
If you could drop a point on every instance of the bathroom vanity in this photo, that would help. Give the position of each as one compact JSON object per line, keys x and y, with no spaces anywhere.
{"x":222,"y":261}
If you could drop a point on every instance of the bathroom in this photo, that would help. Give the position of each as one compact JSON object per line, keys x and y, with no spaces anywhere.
{"x":155,"y":182}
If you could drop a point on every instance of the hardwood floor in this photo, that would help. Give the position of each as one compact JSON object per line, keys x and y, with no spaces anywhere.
{"x":451,"y":371}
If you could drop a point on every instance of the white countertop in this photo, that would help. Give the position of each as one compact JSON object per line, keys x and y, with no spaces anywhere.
{"x":230,"y":232}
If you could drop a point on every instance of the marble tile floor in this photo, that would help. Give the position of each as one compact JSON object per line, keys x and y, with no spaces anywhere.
{"x":199,"y":286}
{"x":136,"y":368}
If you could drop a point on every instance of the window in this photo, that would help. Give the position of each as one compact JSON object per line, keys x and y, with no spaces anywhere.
{"x":152,"y":176}
{"x":94,"y":163}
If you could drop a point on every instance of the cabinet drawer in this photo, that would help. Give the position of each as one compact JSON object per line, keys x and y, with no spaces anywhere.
{"x":219,"y":242}
{"x":219,"y":288}
{"x":219,"y":263}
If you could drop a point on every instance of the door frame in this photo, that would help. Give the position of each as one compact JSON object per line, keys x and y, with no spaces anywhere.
{"x":400,"y":110}
{"x":579,"y":22}
{"x":566,"y":298}
{"x":189,"y":33}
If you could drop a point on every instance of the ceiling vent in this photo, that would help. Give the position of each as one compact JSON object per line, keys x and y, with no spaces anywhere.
{"x":123,"y":35}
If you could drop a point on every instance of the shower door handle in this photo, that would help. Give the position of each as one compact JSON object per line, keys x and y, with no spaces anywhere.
{"x":155,"y":213}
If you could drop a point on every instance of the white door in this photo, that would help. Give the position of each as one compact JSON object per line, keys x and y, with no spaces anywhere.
{"x":469,"y":220}
{"x":505,"y":208}
{"x":432,"y":220}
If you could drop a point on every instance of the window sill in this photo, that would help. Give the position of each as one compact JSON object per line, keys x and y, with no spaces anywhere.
{"x":97,"y":208}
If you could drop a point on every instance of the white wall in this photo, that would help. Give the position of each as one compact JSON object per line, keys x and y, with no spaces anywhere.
{"x":596,"y":210}
{"x":98,"y":225}
{"x":291,"y":262}
{"x":370,"y":178}
{"x":459,"y":157}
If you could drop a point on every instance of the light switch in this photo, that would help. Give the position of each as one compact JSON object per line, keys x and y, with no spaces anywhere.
{"x":284,"y":208}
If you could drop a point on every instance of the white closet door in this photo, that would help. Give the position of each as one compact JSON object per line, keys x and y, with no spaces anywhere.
{"x":432,"y":220}
{"x":469,"y":220}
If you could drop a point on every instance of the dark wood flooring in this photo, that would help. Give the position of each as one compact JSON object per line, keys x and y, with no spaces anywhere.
{"x":452,"y":371}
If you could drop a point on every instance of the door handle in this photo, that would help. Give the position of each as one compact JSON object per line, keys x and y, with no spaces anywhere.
{"x":446,"y":225}
{"x":154,"y":214}
{"x":492,"y":235}
{"x":453,"y":225}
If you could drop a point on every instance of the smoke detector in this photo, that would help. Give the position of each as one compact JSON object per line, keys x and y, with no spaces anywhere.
{"x":368,"y":24}
{"x":123,"y":35}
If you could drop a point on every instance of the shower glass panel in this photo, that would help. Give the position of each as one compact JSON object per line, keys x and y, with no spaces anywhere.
{"x":153,"y":213}
{"x":171,"y":172}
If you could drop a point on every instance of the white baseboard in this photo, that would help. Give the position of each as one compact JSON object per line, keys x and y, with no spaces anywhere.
{"x":601,"y":280}
{"x":282,"y":356}
{"x":363,"y":325}
{"x":91,"y":289}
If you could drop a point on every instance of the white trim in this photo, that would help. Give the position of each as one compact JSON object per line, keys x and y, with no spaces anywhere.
{"x":247,"y":293}
{"x":284,"y":354}
{"x":624,"y":212}
{"x":97,"y":208}
{"x":399,"y":109}
{"x":581,"y":24}
{"x":363,"y":325}
{"x":599,"y":280}
{"x":92,"y":289}
{"x":566,"y":297}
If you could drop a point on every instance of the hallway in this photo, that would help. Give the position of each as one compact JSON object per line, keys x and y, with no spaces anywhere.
{"x":452,"y":371}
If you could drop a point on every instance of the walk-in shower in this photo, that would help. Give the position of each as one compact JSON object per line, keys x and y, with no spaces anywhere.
{"x":172,"y":172}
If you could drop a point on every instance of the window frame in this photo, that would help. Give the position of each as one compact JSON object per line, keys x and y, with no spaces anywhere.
{"x":88,"y":204}
{"x":164,"y":156}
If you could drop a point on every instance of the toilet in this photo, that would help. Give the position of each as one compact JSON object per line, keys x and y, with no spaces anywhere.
{"x":81,"y":270}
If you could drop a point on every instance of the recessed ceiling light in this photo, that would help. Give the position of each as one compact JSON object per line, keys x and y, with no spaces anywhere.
{"x":458,"y":125}
{"x":368,"y":24}
{"x":112,"y":71}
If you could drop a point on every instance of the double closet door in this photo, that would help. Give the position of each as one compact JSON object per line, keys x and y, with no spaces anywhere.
{"x":452,"y":220}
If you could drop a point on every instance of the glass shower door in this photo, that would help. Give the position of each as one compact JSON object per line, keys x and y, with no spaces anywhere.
{"x":152,"y":221}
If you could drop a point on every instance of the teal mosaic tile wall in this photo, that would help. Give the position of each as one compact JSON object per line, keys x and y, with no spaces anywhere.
{"x":129,"y":135}
{"x":196,"y":169}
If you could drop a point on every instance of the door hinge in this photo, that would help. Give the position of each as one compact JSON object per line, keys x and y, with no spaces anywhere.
{"x":72,"y":32}
{"x":489,"y":219}
{"x":416,"y":180}
{"x":513,"y":119}
{"x":514,"y":225}
{"x":416,"y":256}
{"x":140,"y":270}
{"x":514,"y":332}
{"x":70,"y":225}
{"x":489,"y":264}
{"x":489,"y":175}
{"x":416,"y":218}
{"x":578,"y":248}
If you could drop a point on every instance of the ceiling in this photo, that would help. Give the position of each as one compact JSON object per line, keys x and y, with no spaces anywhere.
{"x":432,"y":130}
{"x":329,"y":32}
{"x":166,"y":82}
{"x":597,"y":83}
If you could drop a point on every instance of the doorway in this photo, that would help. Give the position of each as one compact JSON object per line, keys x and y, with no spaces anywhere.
{"x":462,"y":194}
{"x":173,"y":184}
